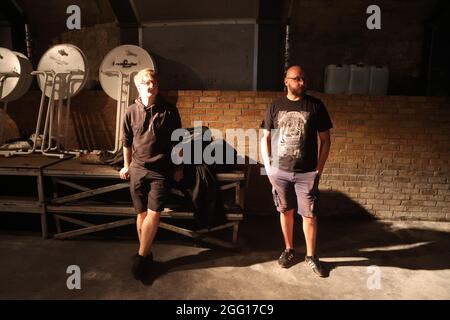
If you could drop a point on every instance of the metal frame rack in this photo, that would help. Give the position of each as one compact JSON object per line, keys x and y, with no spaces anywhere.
{"x":89,"y":181}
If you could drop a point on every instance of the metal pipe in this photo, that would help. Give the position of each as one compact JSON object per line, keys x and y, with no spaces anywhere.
{"x":69,"y":94}
{"x":59,"y":117}
{"x":49,"y":111}
{"x":2,"y":126}
{"x":41,"y":108}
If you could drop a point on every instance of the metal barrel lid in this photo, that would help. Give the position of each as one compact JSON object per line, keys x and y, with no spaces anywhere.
{"x":26,"y":78}
{"x":128,"y":59}
{"x":16,"y":70}
{"x":63,"y":59}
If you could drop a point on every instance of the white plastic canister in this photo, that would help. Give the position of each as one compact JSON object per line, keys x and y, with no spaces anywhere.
{"x":336,"y":78}
{"x":359,"y":79}
{"x":379,"y":78}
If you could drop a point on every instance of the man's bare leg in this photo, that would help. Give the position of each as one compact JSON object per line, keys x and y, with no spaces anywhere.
{"x":139,"y":220}
{"x":148,"y":229}
{"x":310,"y":231}
{"x":287,"y":227}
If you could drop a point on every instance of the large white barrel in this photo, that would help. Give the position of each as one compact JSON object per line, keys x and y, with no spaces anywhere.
{"x":359,"y":79}
{"x":336,"y":78}
{"x":379,"y":78}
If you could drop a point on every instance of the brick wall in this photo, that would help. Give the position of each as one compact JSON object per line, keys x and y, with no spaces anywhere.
{"x":389,"y":157}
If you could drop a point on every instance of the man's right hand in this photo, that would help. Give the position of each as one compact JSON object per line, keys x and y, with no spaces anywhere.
{"x":124,"y":174}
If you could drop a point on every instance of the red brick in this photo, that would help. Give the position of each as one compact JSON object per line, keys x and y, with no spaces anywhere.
{"x":247,"y":94}
{"x":238,"y":106}
{"x":245,"y":100}
{"x":208,"y":99}
{"x":211,"y":93}
{"x":196,"y":93}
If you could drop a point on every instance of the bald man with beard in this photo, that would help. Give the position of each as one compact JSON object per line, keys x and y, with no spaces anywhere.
{"x":294,"y":162}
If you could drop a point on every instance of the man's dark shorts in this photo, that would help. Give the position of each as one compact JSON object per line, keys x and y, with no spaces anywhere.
{"x":148,"y":189}
{"x":294,"y":190}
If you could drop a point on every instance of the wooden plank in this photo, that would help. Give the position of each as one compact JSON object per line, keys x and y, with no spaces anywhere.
{"x":73,"y":168}
{"x":237,"y":194}
{"x":235,"y":233}
{"x":71,"y":184}
{"x":22,"y":205}
{"x":90,"y":193}
{"x":111,"y":210}
{"x":234,"y":216}
{"x":19,"y":172}
{"x":230,"y":176}
{"x":196,"y":235}
{"x":114,"y":210}
{"x":42,"y":203}
{"x":74,"y":221}
{"x":177,"y":229}
{"x":229,"y":186}
{"x":223,"y":226}
{"x":27,"y":162}
{"x":101,"y":227}
{"x":58,"y":224}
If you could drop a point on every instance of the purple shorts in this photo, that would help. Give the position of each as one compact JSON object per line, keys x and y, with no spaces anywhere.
{"x":294,"y":190}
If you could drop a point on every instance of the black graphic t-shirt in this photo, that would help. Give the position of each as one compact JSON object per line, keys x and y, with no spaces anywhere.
{"x":296,"y":124}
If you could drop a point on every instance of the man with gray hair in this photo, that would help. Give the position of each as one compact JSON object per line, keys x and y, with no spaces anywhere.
{"x":147,"y":146}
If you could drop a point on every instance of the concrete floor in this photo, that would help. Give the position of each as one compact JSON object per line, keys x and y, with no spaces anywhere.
{"x":411,"y":259}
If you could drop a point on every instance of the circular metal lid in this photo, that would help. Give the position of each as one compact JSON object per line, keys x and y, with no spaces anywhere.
{"x":63,"y":58}
{"x":26,"y":78}
{"x":129,"y":60}
{"x":16,"y":72}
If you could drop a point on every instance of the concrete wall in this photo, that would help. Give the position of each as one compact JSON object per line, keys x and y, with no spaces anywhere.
{"x":203,"y":56}
{"x":326,"y":32}
{"x":323,"y":32}
{"x":389,"y":158}
{"x":95,"y":42}
{"x":171,"y":10}
{"x":48,"y":20}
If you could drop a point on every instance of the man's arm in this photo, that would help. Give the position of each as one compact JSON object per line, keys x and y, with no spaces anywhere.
{"x":324,"y":150}
{"x":126,"y":163}
{"x":266,"y":148}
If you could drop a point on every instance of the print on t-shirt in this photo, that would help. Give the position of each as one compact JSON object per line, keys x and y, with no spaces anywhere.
{"x":292,"y":133}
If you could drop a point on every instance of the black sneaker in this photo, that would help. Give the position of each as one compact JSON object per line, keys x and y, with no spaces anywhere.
{"x":147,"y":270}
{"x":138,"y":266}
{"x":315,"y":265}
{"x":141,"y":265}
{"x":287,"y":258}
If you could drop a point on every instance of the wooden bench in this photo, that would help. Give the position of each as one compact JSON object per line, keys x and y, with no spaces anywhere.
{"x":71,"y":173}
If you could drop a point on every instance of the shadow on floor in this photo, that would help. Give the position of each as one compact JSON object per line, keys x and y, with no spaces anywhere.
{"x":355,"y":239}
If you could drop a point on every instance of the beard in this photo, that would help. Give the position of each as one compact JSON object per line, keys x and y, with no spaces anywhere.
{"x":297,"y":90}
